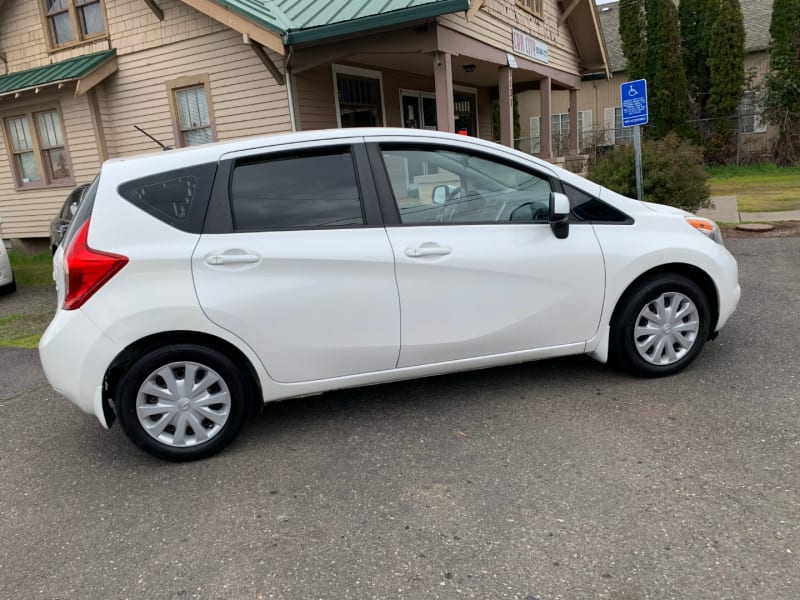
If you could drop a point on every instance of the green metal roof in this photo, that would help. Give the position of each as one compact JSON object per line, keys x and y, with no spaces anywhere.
{"x":308,"y":20}
{"x":66,"y":70}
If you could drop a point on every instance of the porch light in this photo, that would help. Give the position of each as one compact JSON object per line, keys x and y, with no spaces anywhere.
{"x":469,"y":68}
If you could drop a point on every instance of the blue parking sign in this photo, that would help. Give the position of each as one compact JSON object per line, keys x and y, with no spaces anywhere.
{"x":634,"y":102}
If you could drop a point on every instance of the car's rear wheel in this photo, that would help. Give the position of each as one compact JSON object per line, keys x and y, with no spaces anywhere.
{"x":183,"y":402}
{"x":660,"y":326}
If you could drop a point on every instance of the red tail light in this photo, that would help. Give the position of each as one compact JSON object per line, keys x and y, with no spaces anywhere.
{"x":87,"y":270}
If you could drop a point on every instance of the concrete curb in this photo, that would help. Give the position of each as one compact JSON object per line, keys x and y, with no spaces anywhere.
{"x":725,"y":209}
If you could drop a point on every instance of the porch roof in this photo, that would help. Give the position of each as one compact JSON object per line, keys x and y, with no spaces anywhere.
{"x":300,"y":21}
{"x":72,"y":69}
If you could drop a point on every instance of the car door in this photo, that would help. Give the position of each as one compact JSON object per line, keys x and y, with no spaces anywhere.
{"x":479,"y":269}
{"x":294,"y":261}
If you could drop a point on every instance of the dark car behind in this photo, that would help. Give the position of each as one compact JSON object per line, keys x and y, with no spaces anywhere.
{"x":60,"y":224}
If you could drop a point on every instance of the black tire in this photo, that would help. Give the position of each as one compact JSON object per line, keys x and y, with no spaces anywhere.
{"x":8,"y":288}
{"x":203,"y":361}
{"x":648,"y":292}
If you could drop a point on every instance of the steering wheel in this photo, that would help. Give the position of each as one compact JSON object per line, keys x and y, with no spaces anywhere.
{"x":451,"y":201}
{"x":537,"y":213}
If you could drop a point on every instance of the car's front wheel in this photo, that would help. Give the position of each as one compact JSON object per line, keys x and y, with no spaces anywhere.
{"x":660,"y":326}
{"x":183,"y":402}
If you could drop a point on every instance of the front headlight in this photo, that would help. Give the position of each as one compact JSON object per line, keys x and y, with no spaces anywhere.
{"x":707,"y":227}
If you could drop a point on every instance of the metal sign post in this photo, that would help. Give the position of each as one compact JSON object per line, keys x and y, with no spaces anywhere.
{"x":633,"y":96}
{"x":637,"y":153}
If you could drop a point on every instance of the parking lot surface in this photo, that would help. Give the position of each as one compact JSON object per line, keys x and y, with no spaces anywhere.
{"x":562,"y":479}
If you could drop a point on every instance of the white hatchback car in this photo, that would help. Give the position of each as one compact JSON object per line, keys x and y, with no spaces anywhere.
{"x":196,"y":283}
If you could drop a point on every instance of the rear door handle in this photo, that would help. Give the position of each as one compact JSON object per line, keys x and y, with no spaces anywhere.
{"x":428,"y":251}
{"x":232,"y":259}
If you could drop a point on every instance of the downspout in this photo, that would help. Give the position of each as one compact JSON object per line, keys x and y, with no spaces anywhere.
{"x":289,"y":89}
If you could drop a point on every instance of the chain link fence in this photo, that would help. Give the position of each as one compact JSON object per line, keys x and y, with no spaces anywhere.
{"x":751,"y":140}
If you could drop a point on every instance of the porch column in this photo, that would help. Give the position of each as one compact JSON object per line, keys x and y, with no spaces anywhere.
{"x":546,"y":144}
{"x":443,"y":76}
{"x":573,"y":122}
{"x":506,"y":100}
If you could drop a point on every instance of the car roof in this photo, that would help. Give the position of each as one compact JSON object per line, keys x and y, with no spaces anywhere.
{"x":208,"y":153}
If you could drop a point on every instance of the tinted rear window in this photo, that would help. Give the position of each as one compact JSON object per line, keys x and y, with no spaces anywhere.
{"x":178,"y":198}
{"x":307,"y":190}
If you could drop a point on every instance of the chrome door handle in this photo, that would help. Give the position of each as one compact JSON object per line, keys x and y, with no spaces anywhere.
{"x":428,"y":251}
{"x":232,"y":259}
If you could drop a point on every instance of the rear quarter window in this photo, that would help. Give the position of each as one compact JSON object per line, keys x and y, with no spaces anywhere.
{"x":178,"y":198}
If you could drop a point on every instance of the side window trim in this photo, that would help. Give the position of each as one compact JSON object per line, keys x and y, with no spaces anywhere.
{"x":389,"y":208}
{"x":219,"y":218}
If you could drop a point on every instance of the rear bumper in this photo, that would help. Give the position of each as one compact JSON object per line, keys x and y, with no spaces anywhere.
{"x":75,"y":355}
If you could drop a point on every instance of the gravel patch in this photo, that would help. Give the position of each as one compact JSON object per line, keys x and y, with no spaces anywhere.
{"x":25,"y":314}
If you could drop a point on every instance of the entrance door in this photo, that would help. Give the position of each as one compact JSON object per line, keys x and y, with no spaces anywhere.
{"x":465,"y":108}
{"x":419,"y":109}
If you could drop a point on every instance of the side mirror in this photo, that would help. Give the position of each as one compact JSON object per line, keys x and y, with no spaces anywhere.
{"x":439,"y":195}
{"x":559,"y":214}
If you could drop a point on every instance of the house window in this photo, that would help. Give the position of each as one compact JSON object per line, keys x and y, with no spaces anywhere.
{"x":559,"y":128}
{"x":70,"y":21}
{"x":359,"y":97}
{"x":192,"y":113}
{"x":750,"y":120}
{"x":38,"y":151}
{"x":534,"y":6}
{"x":622,"y":135}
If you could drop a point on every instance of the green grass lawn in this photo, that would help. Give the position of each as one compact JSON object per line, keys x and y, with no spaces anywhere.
{"x":32,"y":269}
{"x":758,"y":188}
{"x":25,"y":314}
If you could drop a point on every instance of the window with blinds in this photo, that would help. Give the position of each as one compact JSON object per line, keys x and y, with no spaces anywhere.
{"x":39,"y":155}
{"x":194,"y":120}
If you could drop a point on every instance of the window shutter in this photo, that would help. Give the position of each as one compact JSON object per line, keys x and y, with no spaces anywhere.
{"x":585,"y":135}
{"x":536,"y":136}
{"x":608,"y":126}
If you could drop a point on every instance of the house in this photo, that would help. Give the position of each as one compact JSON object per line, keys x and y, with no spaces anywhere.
{"x":599,"y":105}
{"x":77,"y":77}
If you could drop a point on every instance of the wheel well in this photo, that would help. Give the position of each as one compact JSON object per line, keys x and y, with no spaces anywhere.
{"x":125,"y":358}
{"x":697,"y":275}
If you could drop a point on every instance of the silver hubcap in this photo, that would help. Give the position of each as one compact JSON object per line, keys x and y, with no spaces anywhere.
{"x":183,"y":404}
{"x":666,"y":329}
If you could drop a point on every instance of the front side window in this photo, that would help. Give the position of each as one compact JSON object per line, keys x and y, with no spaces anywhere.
{"x":296,"y":191}
{"x":38,"y":151}
{"x":459,"y":188}
{"x":70,"y":21}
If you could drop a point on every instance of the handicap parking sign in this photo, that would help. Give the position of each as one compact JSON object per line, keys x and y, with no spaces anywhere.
{"x":633,"y":95}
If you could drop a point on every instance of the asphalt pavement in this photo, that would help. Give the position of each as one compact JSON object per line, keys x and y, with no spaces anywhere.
{"x":561,"y":479}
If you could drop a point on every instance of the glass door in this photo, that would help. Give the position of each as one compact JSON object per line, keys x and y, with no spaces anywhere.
{"x":419,"y":109}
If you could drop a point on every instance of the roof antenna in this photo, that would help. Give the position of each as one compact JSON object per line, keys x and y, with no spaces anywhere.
{"x":163,"y":146}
